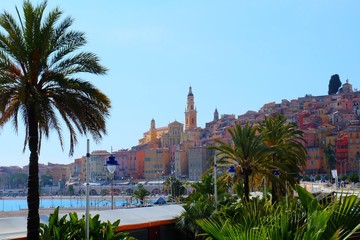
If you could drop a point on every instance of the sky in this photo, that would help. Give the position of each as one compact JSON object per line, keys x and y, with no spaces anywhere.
{"x":236,"y":56}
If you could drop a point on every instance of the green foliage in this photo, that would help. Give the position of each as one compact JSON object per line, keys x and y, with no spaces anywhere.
{"x":141,"y":193}
{"x":247,"y":152}
{"x":278,"y":146}
{"x":70,"y":190}
{"x":201,"y":203}
{"x":330,"y":156}
{"x":334,"y":84}
{"x":40,"y":84}
{"x":46,"y":180}
{"x":174,"y":186}
{"x":61,"y":228}
{"x":286,"y":153}
{"x":104,"y":192}
{"x":343,"y":177}
{"x":309,"y":203}
{"x":17,"y":180}
{"x":193,"y":212}
{"x":304,"y":219}
{"x":354,"y":177}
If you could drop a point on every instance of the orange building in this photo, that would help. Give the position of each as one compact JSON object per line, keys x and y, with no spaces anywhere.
{"x":78,"y":169}
{"x":131,"y":164}
{"x":354,"y":149}
{"x":314,"y":161}
{"x":342,"y":150}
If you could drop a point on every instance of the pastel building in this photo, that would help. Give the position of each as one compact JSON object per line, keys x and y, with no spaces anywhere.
{"x":173,"y":136}
{"x":342,"y":151}
{"x":156,"y":163}
{"x":60,"y":173}
{"x":353,"y":165}
{"x":78,"y":169}
{"x":181,"y":167}
{"x":199,"y":160}
{"x":131,"y":164}
{"x":314,"y":161}
{"x":98,"y":171}
{"x":152,"y":137}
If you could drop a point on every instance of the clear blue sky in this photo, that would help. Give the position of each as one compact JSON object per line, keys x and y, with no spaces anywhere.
{"x":236,"y":55}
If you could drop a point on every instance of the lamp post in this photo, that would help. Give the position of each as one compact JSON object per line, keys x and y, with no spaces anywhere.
{"x":359,"y":169}
{"x":231,"y":172}
{"x":111,"y":165}
{"x":51,"y":185}
{"x":87,"y":222}
{"x":171,"y":186}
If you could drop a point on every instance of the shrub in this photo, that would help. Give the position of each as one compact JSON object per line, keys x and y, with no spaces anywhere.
{"x":72,"y":227}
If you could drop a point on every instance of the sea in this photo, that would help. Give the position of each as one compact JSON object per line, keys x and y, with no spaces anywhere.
{"x":16,"y":204}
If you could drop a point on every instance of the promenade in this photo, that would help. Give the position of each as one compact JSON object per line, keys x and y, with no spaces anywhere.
{"x":326,"y":187}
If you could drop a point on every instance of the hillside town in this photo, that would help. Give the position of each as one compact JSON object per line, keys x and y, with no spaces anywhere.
{"x":330,"y":123}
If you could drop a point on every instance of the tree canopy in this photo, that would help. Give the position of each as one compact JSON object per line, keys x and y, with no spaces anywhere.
{"x":334,"y":84}
{"x":141,"y":193}
{"x":247,"y":152}
{"x":40,"y":60}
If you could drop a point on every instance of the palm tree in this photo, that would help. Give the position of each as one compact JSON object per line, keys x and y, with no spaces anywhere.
{"x":200,"y":204}
{"x":330,"y":157}
{"x":141,"y":193}
{"x":287,"y":151}
{"x":247,"y":152}
{"x":175,"y":187}
{"x":39,"y":60}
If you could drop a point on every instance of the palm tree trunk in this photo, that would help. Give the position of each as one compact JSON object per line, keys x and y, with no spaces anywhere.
{"x":246,"y":186}
{"x":33,"y":220}
{"x":274,"y":196}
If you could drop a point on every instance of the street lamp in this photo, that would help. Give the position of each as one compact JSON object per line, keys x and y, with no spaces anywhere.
{"x":111,"y":165}
{"x":231,"y":171}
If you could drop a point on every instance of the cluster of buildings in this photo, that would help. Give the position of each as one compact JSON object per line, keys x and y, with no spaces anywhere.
{"x":181,"y":149}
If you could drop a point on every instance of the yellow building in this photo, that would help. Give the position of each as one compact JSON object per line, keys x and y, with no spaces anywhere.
{"x":98,"y":171}
{"x":173,"y":136}
{"x":153,"y":135}
{"x":156,"y":163}
{"x":78,"y":170}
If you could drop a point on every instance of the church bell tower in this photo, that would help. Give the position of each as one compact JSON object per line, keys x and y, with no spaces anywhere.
{"x":190,"y":112}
